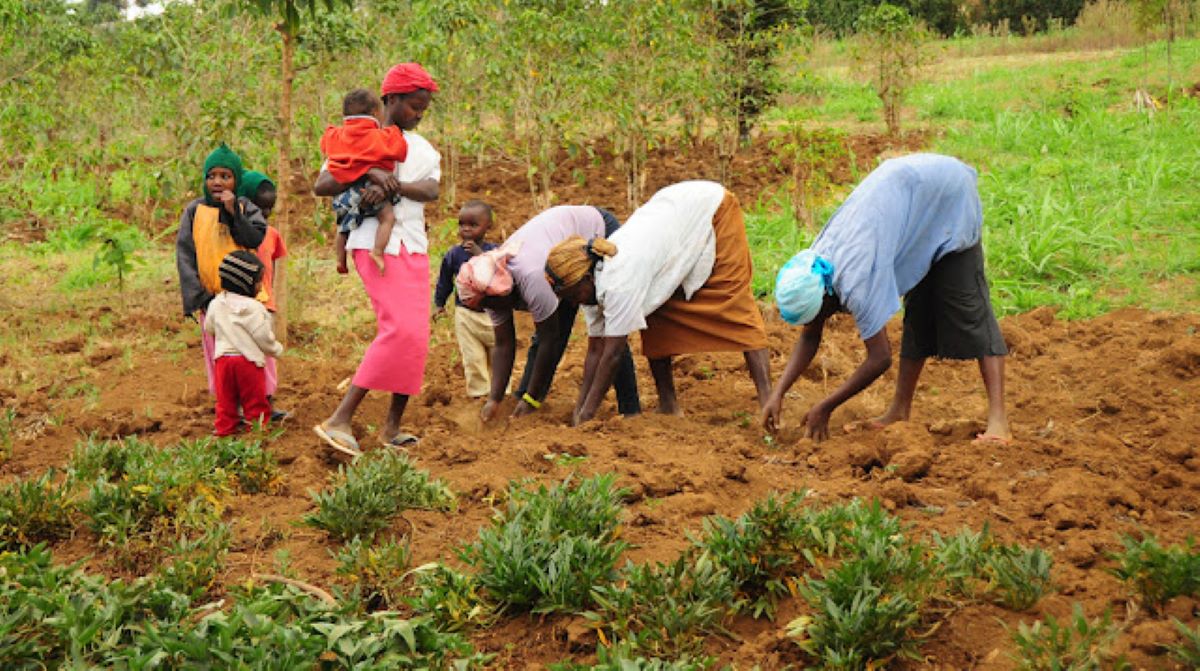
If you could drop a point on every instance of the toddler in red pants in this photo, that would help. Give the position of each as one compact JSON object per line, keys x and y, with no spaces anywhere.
{"x":244,"y":337}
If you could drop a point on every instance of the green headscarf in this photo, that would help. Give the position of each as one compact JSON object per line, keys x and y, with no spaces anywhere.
{"x":249,"y":183}
{"x":222,"y":157}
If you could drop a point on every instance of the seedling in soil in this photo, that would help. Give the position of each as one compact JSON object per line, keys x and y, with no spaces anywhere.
{"x":760,"y":550}
{"x":973,"y":564}
{"x":1188,"y":649}
{"x":1077,"y":645}
{"x":193,"y":564}
{"x":32,"y":511}
{"x":368,"y":494}
{"x":564,"y":459}
{"x":624,"y":657}
{"x":1156,"y":574}
{"x":549,"y":547}
{"x":664,"y":610}
{"x":453,"y":600}
{"x":377,"y":571}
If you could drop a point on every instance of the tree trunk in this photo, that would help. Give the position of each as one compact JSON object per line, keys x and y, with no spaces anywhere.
{"x":283,"y":186}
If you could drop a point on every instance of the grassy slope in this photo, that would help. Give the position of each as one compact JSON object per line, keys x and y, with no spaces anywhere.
{"x":1088,"y":203}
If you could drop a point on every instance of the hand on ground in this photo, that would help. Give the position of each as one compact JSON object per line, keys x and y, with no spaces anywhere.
{"x":490,"y":410}
{"x":816,"y":423}
{"x":770,"y":415}
{"x":522,"y":409}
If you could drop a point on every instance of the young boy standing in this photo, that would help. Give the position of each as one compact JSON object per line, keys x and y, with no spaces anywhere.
{"x":474,"y":332}
{"x":244,"y":339}
{"x":261,"y":191}
{"x":351,"y":150}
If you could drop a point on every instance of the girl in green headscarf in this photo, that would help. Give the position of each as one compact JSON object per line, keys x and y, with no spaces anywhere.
{"x":211,"y":227}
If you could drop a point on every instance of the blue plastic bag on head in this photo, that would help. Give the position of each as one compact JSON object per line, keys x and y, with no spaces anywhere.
{"x":801,"y":285}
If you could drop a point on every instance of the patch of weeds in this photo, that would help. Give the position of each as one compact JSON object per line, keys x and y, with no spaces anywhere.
{"x":973,"y":564}
{"x":1077,"y":645}
{"x":1156,"y":574}
{"x":760,"y":551}
{"x":54,"y":616}
{"x":549,"y":547}
{"x":1188,"y":648}
{"x":8,"y":430}
{"x":624,"y":657}
{"x":451,"y":599}
{"x":564,"y":459}
{"x":140,"y":498}
{"x":376,"y":570}
{"x":368,"y":494}
{"x":865,"y":609}
{"x":663,"y":610}
{"x":193,"y":563}
{"x":33,"y":511}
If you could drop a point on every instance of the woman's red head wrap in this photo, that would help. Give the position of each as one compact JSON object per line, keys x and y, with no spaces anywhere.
{"x":406,"y":78}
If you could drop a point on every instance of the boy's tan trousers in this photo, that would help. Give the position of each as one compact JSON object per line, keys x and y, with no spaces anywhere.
{"x":476,"y":339}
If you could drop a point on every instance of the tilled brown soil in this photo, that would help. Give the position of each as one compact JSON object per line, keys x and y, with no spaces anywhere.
{"x":1104,"y":413}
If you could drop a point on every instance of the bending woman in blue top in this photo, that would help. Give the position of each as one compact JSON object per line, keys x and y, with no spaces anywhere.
{"x":913,"y":228}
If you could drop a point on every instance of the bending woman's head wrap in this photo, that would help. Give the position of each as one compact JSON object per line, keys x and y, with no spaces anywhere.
{"x":483,"y":275}
{"x":801,"y":287}
{"x":574,"y":259}
{"x":222,"y":157}
{"x":406,"y":78}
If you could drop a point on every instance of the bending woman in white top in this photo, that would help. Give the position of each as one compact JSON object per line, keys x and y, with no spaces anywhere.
{"x":679,"y":271}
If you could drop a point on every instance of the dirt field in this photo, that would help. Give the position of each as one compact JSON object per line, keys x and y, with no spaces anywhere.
{"x":1104,"y":412}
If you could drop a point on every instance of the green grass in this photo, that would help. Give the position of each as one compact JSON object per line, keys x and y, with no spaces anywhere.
{"x":1088,"y":204}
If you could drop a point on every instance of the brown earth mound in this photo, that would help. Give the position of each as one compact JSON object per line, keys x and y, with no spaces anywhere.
{"x":1104,"y":413}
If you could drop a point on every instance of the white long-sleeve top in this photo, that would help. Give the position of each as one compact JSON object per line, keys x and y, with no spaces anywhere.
{"x":241,"y":325}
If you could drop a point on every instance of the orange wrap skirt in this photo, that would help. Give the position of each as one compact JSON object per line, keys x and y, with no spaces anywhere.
{"x":722,"y":315}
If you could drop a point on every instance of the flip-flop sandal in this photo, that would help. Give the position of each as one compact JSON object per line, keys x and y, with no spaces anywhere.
{"x":400,"y":440}
{"x":339,"y":441}
{"x":998,"y":441}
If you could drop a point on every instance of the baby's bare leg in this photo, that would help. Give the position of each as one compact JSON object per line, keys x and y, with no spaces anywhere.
{"x":340,"y":246}
{"x":387,"y":220}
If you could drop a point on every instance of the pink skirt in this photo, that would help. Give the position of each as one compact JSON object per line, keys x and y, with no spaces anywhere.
{"x":395,"y":360}
{"x":208,"y":345}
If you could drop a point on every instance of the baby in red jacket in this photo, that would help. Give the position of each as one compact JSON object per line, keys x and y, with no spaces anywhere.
{"x":351,"y":150}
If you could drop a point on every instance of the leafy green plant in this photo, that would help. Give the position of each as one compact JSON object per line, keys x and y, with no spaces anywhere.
{"x":760,"y":550}
{"x":663,"y":610}
{"x":809,"y":156}
{"x":118,"y":243}
{"x":368,"y":494}
{"x":451,"y":599}
{"x":377,"y":570}
{"x":625,"y":657}
{"x":866,"y":608}
{"x":1188,"y":648}
{"x":974,"y":564}
{"x":56,"y":616}
{"x":35,"y":510}
{"x":1156,"y":574}
{"x":8,"y":421}
{"x":549,"y":547}
{"x":193,"y":563}
{"x":1077,"y":645}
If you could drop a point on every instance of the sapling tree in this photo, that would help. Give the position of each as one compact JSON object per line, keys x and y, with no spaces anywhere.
{"x":891,"y":45}
{"x":809,"y":155}
{"x":287,"y":14}
{"x":1170,"y":15}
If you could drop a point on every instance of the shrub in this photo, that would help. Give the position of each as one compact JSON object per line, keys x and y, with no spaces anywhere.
{"x":1156,"y":574}
{"x":377,"y":570}
{"x":369,"y":493}
{"x":1078,"y":645}
{"x":32,"y":511}
{"x":663,"y":610}
{"x":547,"y":550}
